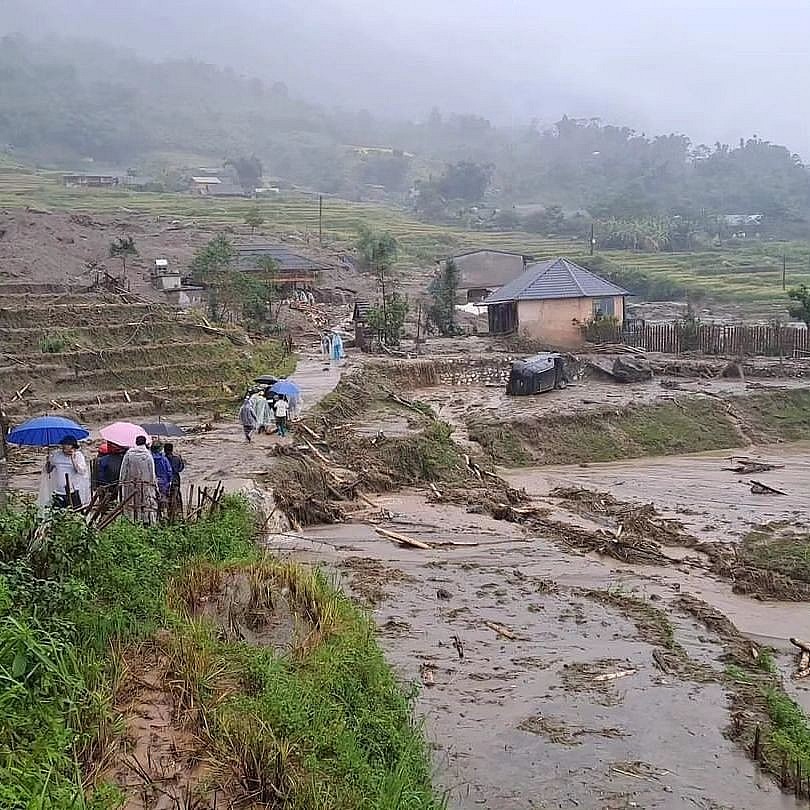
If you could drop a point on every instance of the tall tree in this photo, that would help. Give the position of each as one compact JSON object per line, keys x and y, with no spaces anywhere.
{"x":444,"y":291}
{"x":123,"y":248}
{"x":378,"y":253}
{"x":800,"y":308}
{"x":254,"y":218}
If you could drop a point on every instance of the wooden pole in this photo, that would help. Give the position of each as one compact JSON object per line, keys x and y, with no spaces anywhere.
{"x":784,"y":272}
{"x":320,"y":219}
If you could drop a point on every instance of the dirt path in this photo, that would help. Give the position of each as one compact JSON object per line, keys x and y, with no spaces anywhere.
{"x":220,"y":454}
{"x":533,"y":715}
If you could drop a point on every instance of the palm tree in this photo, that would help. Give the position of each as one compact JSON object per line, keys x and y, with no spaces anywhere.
{"x":121,"y":248}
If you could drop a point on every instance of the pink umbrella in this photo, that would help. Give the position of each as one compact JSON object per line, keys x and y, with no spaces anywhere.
{"x":123,"y":433}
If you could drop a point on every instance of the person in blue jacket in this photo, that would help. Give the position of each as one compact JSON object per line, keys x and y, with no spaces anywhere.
{"x":164,"y":475}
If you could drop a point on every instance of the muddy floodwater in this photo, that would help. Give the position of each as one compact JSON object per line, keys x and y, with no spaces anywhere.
{"x":537,"y":690}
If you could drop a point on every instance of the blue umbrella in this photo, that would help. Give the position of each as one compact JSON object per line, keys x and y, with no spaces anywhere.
{"x":286,"y":387}
{"x":43,"y":431}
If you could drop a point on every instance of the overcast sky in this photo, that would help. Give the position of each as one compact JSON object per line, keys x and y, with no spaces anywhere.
{"x":713,"y":70}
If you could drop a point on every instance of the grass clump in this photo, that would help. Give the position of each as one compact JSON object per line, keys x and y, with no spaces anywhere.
{"x":780,"y":548}
{"x":323,"y":725}
{"x":690,"y":426}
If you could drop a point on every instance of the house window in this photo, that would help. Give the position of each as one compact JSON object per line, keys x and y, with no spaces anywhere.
{"x":603,"y":308}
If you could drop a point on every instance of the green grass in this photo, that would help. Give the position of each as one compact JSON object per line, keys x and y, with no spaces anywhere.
{"x":788,"y":738}
{"x":778,"y":547}
{"x":693,"y":425}
{"x":781,"y":415}
{"x":748,"y":272}
{"x":325,"y":726}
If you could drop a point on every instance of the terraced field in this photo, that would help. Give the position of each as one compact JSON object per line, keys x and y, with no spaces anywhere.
{"x":93,"y":356}
{"x":749,"y":274}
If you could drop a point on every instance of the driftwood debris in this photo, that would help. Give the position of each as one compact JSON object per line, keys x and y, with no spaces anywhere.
{"x":803,"y":667}
{"x":459,"y":645}
{"x":614,"y":676}
{"x":750,"y":466}
{"x":758,"y":488}
{"x":402,"y":539}
{"x":19,"y":394}
{"x":501,"y":630}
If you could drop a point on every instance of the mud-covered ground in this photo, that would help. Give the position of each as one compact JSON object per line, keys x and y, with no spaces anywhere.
{"x":538,"y":688}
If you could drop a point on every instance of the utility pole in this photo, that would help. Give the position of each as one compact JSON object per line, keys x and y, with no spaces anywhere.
{"x":418,"y":327}
{"x":593,"y":239}
{"x":320,"y":219}
{"x":784,"y":273}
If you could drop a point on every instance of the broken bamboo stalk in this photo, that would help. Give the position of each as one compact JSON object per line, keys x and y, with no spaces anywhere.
{"x":501,"y":630}
{"x":402,"y":539}
{"x":804,"y":646}
{"x":317,"y":452}
{"x":18,"y":394}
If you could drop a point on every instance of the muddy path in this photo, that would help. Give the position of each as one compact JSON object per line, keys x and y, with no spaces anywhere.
{"x":558,"y":700}
{"x":218,"y":453}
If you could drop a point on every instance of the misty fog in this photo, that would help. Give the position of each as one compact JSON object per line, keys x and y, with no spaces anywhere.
{"x":716,"y":71}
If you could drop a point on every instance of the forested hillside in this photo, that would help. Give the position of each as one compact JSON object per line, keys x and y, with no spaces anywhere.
{"x":63,"y":102}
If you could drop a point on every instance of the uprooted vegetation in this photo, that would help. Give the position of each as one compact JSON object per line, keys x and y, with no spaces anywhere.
{"x":687,"y":425}
{"x":319,"y":481}
{"x":177,"y":666}
{"x":769,"y":725}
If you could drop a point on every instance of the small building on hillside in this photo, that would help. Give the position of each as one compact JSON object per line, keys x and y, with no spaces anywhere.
{"x":89,"y":180}
{"x":293,"y":269}
{"x":484,"y":271}
{"x":203,"y":184}
{"x":552,"y":300}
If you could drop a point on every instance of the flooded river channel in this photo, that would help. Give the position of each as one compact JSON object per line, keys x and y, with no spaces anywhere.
{"x":537,"y":689}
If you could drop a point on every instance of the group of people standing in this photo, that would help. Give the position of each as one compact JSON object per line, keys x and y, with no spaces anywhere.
{"x":146,"y":480}
{"x":332,"y":346}
{"x":266,"y":412}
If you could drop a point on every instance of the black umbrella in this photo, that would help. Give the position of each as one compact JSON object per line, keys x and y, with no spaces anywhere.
{"x":163,"y":429}
{"x":266,"y":379}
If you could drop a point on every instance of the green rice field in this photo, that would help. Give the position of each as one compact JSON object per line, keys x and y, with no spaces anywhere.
{"x":742,"y":273}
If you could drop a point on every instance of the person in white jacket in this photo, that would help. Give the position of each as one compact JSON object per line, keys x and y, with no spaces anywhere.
{"x":65,"y":479}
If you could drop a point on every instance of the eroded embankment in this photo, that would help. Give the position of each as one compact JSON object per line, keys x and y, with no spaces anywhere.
{"x":180,"y":666}
{"x":686,"y":425}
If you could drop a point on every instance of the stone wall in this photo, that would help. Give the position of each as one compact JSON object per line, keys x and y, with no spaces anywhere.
{"x":455,"y":371}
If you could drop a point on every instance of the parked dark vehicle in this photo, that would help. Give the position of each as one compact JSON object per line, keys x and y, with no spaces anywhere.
{"x":534,"y":375}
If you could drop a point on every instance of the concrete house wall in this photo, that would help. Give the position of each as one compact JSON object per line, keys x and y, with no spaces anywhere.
{"x":557,"y":320}
{"x":488,"y":270}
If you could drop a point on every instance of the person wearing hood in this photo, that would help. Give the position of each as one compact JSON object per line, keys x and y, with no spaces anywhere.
{"x":247,"y":417}
{"x":138,"y":484}
{"x":65,"y":479}
{"x":107,"y":472}
{"x":164,"y":475}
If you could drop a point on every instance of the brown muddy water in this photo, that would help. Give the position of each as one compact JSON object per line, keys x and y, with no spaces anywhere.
{"x":534,"y":692}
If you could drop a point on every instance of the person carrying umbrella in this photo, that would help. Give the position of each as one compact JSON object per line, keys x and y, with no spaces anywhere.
{"x":164,"y":475}
{"x":281,"y":409}
{"x":65,"y":479}
{"x":176,"y":489}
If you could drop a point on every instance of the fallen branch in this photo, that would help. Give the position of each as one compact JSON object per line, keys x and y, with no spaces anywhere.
{"x":501,"y":630}
{"x":804,"y":646}
{"x":758,"y":488}
{"x":402,"y":539}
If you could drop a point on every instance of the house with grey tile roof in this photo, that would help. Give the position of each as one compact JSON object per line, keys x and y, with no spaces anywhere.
{"x":552,"y":300}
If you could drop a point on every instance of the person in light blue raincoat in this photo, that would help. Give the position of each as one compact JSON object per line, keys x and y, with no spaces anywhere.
{"x":336,"y":351}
